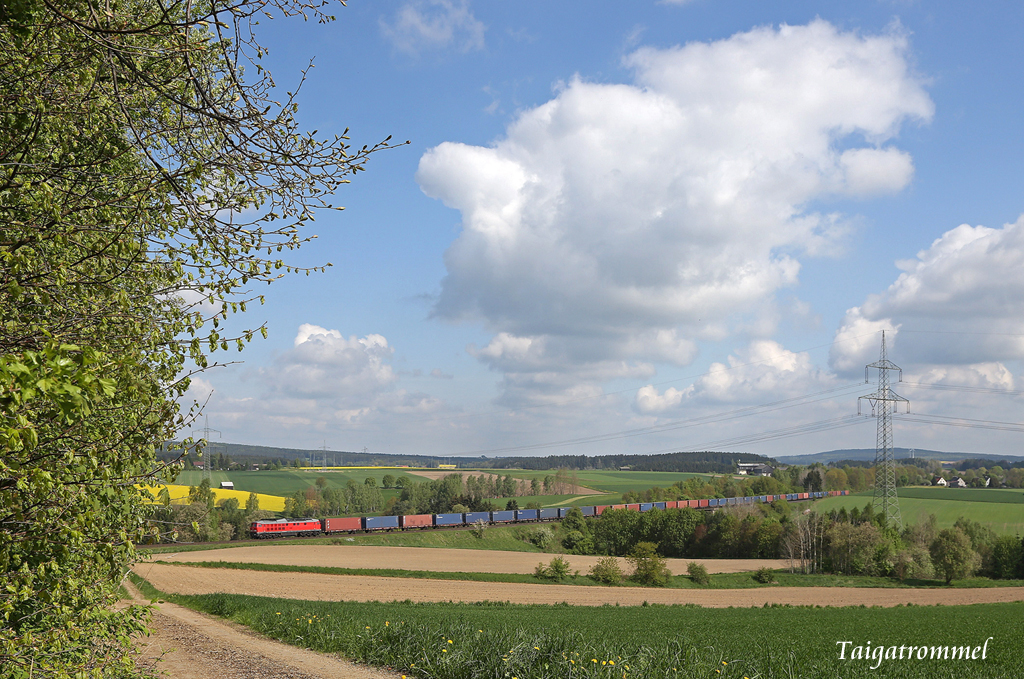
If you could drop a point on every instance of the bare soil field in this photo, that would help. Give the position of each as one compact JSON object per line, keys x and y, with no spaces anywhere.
{"x":571,"y":490}
{"x":435,"y":559}
{"x":316,"y":587}
{"x":184,"y":644}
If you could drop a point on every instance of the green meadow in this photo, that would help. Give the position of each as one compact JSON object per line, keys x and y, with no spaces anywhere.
{"x":1000,"y":509}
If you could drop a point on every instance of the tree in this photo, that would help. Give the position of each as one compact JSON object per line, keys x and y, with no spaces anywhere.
{"x":388,"y":481}
{"x":953,"y":555}
{"x":370,"y":482}
{"x":649,"y":567}
{"x":144,"y":181}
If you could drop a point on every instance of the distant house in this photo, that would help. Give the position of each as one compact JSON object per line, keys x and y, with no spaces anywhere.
{"x":227,"y":485}
{"x":754,"y":469}
{"x":939,"y":481}
{"x":957,"y":482}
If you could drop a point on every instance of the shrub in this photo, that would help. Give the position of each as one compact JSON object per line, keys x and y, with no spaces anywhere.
{"x":478,"y":529}
{"x":557,"y":569}
{"x":698,"y":573}
{"x":607,"y":570}
{"x":542,"y":537}
{"x":649,"y":567}
{"x":763,"y":575}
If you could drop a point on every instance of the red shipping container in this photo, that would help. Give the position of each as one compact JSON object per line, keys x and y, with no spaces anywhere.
{"x":634,"y":507}
{"x":671,"y":504}
{"x":344,"y":525}
{"x":416,"y":521}
{"x":703,"y":503}
{"x":599,"y":509}
{"x":623,"y":507}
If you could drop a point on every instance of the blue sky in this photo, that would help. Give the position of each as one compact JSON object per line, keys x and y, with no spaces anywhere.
{"x":629,"y":227}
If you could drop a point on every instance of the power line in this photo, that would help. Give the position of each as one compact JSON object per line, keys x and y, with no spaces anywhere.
{"x":747,"y":411}
{"x":964,"y":388}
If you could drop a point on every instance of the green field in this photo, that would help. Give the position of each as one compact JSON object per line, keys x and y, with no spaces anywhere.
{"x":1000,"y":509}
{"x":463,"y":641}
{"x":621,"y":481}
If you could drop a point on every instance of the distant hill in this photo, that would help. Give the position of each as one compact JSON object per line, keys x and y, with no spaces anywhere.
{"x":900,"y":453}
{"x":706,"y":462}
{"x":697,"y":463}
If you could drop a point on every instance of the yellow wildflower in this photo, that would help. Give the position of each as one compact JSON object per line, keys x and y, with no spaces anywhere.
{"x":612,"y":662}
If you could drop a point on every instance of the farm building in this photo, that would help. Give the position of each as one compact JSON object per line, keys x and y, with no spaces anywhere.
{"x":754,"y":469}
{"x":227,"y":485}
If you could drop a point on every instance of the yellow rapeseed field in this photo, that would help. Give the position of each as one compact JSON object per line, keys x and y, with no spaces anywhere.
{"x":274,"y":503}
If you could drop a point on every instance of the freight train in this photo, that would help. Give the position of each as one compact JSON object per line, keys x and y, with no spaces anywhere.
{"x":361,"y":524}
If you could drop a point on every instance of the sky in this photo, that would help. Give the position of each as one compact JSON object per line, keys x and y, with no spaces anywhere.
{"x":631,"y":228}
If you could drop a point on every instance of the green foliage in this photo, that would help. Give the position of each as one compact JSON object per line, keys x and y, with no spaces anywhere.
{"x":1007,"y":557}
{"x":698,"y":573}
{"x":145,"y":187}
{"x":557,"y":569}
{"x":764,"y":575}
{"x":649,"y":567}
{"x":953,"y":555}
{"x":607,"y":570}
{"x":542,"y":536}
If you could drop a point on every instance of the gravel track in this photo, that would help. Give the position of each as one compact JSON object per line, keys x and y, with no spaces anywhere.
{"x":317,"y":587}
{"x":184,"y":644}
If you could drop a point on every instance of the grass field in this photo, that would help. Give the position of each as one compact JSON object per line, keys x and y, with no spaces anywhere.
{"x":1000,"y":509}
{"x":503,"y":538}
{"x":621,"y":481}
{"x":463,"y":641}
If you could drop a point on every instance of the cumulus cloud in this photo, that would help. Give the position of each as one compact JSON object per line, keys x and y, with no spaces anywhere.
{"x":963,"y":298}
{"x":327,"y":379}
{"x":763,"y":371}
{"x":619,"y":224}
{"x":422,"y":25}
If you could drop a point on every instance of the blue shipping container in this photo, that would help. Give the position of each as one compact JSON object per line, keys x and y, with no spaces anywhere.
{"x":473,"y":517}
{"x":588,"y":511}
{"x":549,"y":513}
{"x":660,"y":505}
{"x":646,"y":506}
{"x":503,"y":516}
{"x":447,"y":519}
{"x":527,"y":514}
{"x":379,"y":522}
{"x":563,"y":511}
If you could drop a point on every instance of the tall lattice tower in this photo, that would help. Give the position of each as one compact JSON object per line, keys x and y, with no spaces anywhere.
{"x":205,"y":448}
{"x":884,"y":402}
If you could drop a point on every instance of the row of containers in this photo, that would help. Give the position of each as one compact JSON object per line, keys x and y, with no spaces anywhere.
{"x":371,"y":523}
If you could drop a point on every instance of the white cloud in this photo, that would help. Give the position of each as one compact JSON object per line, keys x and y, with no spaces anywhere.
{"x":960,"y":302}
{"x":764,"y":371}
{"x":422,"y":25}
{"x":619,"y":224}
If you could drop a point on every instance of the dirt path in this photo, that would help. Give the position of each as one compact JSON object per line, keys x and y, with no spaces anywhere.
{"x":435,"y":559}
{"x":315,"y":587}
{"x":183,"y":644}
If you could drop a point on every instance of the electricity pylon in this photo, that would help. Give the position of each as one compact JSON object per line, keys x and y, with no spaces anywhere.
{"x":208,"y":462}
{"x":884,"y":402}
